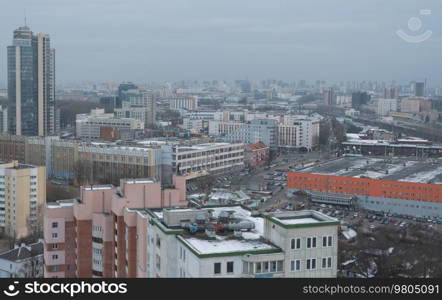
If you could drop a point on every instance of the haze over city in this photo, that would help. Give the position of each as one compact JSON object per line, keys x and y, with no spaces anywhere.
{"x":221,"y":139}
{"x":158,"y":41}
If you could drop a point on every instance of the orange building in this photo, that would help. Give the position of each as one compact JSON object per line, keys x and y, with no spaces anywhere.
{"x":378,"y":194}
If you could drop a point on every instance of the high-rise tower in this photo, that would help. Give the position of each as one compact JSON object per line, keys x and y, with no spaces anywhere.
{"x":31,"y":84}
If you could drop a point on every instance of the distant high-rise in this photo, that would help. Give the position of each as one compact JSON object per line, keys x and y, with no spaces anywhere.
{"x":329,"y":96}
{"x":358,"y":99}
{"x":419,"y":89}
{"x":390,"y":93}
{"x":31,"y":84}
{"x":122,"y":89}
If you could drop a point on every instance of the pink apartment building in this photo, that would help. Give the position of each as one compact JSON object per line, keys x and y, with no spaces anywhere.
{"x":101,"y":234}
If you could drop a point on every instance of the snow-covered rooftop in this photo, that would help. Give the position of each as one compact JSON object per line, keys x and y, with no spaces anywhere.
{"x":398,"y":169}
{"x":226,"y":245}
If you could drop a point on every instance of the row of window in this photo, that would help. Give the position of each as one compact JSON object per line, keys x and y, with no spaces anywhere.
{"x":310,"y":264}
{"x":273,"y":266}
{"x":217,"y":267}
{"x":296,"y":243}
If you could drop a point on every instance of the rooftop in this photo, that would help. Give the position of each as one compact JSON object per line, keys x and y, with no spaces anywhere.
{"x":223,"y":242}
{"x":303,"y":218}
{"x":397,"y":169}
{"x":23,"y":252}
{"x":205,"y":146}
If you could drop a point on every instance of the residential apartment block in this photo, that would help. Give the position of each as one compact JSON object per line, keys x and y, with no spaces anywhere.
{"x":284,"y":132}
{"x":228,"y":241}
{"x":22,"y":195}
{"x":99,"y":234}
{"x":183,"y":102}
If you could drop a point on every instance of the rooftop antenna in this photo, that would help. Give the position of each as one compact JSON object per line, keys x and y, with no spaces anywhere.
{"x":26,"y":24}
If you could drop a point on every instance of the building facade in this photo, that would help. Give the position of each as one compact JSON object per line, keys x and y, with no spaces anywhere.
{"x":183,"y":102}
{"x":211,"y":157}
{"x":256,"y":154}
{"x":410,"y":198}
{"x":31,"y":84}
{"x":228,"y":242}
{"x":88,"y":126}
{"x":22,"y":195}
{"x":24,"y":261}
{"x":99,"y":235}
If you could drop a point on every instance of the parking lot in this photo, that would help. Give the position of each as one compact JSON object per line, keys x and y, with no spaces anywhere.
{"x":370,"y":220}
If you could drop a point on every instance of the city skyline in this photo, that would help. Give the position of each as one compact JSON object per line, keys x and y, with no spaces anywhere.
{"x":226,"y":41}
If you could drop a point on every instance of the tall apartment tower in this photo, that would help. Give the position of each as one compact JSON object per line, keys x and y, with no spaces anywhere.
{"x":31,"y":84}
{"x":390,"y":93}
{"x":99,"y":235}
{"x":419,"y":89}
{"x":329,"y":96}
{"x":22,"y":196}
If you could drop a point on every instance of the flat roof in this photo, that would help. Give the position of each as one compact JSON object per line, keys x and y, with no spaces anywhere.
{"x":250,"y":241}
{"x":396,"y":169}
{"x":302,"y":218}
{"x":97,"y":187}
{"x":226,"y":245}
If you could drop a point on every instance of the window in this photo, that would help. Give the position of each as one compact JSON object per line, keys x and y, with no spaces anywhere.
{"x":279,"y":265}
{"x":311,"y":242}
{"x":266,"y":267}
{"x":158,"y":262}
{"x":311,"y":264}
{"x":273,"y":266}
{"x":326,"y":263}
{"x":295,"y":265}
{"x":54,"y":246}
{"x":296,"y":243}
{"x":217,"y":268}
{"x":258,"y":267}
{"x":158,"y":242}
{"x":329,"y":262}
{"x":245,"y":267}
{"x":327,"y":241}
{"x":230,"y":267}
{"x":55,"y":256}
{"x":55,"y":235}
{"x":54,"y":224}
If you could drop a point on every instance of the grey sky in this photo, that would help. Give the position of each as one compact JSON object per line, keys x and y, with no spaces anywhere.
{"x":159,"y":40}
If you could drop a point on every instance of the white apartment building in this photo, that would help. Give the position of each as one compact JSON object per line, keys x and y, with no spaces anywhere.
{"x":204,"y":115}
{"x":194,"y":125}
{"x":183,"y":102}
{"x":289,"y":132}
{"x":89,"y":125}
{"x":209,"y":157}
{"x":229,"y":241}
{"x":385,"y":106}
{"x":24,"y":261}
{"x":299,"y":133}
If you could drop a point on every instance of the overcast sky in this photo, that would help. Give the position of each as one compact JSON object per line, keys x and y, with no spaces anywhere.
{"x":168,"y":40}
